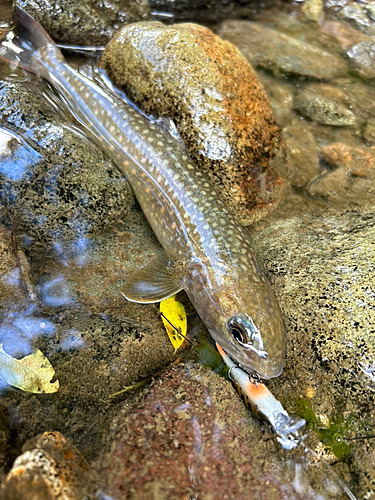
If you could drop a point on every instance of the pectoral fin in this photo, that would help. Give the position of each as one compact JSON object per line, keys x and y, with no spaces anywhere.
{"x":155,"y":281}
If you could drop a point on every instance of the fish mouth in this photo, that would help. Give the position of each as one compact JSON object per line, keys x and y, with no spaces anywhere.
{"x":249,"y":360}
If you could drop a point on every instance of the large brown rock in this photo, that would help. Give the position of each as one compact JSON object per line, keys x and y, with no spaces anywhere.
{"x":220,"y":108}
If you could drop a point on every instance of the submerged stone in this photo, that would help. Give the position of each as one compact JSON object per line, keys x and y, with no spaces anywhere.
{"x":369,"y":132}
{"x":321,"y":105}
{"x":350,"y":178}
{"x":190,"y":436}
{"x":54,"y":184}
{"x":322,"y":271}
{"x":84,"y":22}
{"x":312,"y":10}
{"x":280,"y":53}
{"x":221,"y":110}
{"x":362,"y":59}
{"x":303,"y":153}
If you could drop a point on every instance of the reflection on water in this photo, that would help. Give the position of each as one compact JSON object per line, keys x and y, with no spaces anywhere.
{"x":56,"y":292}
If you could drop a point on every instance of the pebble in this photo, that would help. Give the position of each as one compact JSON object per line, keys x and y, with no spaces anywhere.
{"x":362,"y":59}
{"x":282,"y":54}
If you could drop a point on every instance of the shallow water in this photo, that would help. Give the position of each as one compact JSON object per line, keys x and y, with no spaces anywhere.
{"x":68,"y":241}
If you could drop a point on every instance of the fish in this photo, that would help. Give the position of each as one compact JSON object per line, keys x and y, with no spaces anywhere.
{"x":258,"y":398}
{"x":206,"y":252}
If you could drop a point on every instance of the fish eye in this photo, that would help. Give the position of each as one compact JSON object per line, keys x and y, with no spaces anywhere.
{"x":241,"y":330}
{"x":245,"y":333}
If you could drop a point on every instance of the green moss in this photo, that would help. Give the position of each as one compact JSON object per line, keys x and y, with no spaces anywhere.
{"x":333,"y":435}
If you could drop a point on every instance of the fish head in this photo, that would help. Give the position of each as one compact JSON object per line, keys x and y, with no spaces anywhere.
{"x":243,"y":317}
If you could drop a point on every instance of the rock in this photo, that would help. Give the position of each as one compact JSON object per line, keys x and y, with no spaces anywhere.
{"x":369,"y":132}
{"x":15,"y":282}
{"x":50,"y":468}
{"x":94,"y":357}
{"x":6,"y":20}
{"x":362,"y":59}
{"x":312,"y":10}
{"x":345,"y":35}
{"x":84,"y":22}
{"x":357,"y":16}
{"x":322,"y":271}
{"x":282,"y":54}
{"x":280,"y":95}
{"x":370,"y":10}
{"x":303,"y":154}
{"x":53,"y":183}
{"x":320,"y":104}
{"x":189,"y":435}
{"x":353,"y":178}
{"x":219,"y":106}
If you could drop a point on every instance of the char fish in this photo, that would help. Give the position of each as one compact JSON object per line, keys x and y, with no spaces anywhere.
{"x":206,"y":252}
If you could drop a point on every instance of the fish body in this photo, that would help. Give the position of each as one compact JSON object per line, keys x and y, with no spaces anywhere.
{"x":206,"y":252}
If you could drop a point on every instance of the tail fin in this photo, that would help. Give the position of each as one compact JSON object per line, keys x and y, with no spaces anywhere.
{"x":30,"y":47}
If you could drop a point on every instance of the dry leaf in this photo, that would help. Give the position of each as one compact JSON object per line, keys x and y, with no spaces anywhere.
{"x":174,"y":312}
{"x":32,"y":373}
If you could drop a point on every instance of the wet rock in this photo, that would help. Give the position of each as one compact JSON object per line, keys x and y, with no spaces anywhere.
{"x":321,"y":269}
{"x":345,"y":35}
{"x":356,"y":14}
{"x":369,"y":132}
{"x":94,"y":357}
{"x":50,"y":468}
{"x":353,"y":176}
{"x":84,"y":22}
{"x":15,"y":282}
{"x":54,"y":184}
{"x":321,"y":104}
{"x":5,"y":448}
{"x":5,"y":19}
{"x":280,"y":95}
{"x":190,"y":435}
{"x":220,"y":108}
{"x":303,"y":154}
{"x":282,"y":54}
{"x":362,"y":59}
{"x":312,"y":10}
{"x":370,"y":10}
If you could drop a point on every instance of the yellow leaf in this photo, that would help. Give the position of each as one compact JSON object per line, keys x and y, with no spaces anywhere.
{"x":174,"y":312}
{"x":32,"y":373}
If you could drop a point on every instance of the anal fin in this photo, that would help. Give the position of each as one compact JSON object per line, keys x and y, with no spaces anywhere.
{"x":155,"y":281}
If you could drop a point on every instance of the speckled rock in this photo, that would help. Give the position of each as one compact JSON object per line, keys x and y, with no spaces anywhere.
{"x":322,"y":271}
{"x":303,"y":153}
{"x":190,"y":436}
{"x":362,"y":59}
{"x":280,"y":53}
{"x":220,"y":108}
{"x":321,"y":104}
{"x":312,"y":10}
{"x":54,"y":183}
{"x":50,"y":468}
{"x":84,"y":22}
{"x":351,"y":179}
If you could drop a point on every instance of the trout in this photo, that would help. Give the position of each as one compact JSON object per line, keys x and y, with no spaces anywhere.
{"x":207,"y":252}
